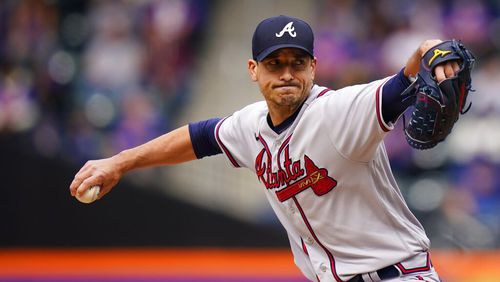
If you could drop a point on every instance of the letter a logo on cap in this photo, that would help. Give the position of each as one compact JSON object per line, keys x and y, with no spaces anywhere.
{"x":288,"y":28}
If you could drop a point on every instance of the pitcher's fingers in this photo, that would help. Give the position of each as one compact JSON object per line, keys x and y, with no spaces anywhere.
{"x":448,"y":70}
{"x":77,"y":181}
{"x":73,"y":186}
{"x":104,"y":190}
{"x":439,"y":73}
{"x":456,"y":67}
{"x":88,"y":183}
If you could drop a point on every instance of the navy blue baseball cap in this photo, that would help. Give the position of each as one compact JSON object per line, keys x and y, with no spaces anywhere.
{"x":281,"y":32}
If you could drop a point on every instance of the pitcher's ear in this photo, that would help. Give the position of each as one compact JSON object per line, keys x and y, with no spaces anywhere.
{"x":252,"y":69}
{"x":313,"y":66}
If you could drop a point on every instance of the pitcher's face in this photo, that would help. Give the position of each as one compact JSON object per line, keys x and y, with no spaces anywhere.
{"x":285,"y":77}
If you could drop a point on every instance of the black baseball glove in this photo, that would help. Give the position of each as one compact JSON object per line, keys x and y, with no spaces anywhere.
{"x":438,"y":105}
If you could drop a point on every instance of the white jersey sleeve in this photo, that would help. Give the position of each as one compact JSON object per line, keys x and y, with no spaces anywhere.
{"x":235,"y":134}
{"x":353,"y":115}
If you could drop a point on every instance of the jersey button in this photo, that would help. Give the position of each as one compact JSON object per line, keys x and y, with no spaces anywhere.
{"x":323,"y":268}
{"x":309,"y":240}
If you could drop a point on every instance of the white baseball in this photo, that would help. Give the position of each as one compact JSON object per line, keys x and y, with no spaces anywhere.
{"x":89,"y":195}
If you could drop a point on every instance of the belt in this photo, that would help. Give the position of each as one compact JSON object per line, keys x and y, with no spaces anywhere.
{"x":385,"y":273}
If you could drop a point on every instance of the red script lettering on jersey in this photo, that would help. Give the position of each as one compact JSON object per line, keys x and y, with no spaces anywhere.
{"x":310,"y":177}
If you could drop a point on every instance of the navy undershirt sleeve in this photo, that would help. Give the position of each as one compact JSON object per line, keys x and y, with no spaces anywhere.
{"x":393,"y":103}
{"x":202,"y":135}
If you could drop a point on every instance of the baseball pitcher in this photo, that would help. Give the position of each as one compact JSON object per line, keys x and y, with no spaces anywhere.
{"x":319,"y":153}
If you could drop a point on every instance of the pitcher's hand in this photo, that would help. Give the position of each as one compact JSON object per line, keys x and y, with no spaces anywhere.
{"x":105,"y":173}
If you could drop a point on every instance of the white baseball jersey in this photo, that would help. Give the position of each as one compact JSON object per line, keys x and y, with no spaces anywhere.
{"x":328,"y":178}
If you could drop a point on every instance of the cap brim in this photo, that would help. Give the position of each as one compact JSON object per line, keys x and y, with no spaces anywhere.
{"x":271,"y":49}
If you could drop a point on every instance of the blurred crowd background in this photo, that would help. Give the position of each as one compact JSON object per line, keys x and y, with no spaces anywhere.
{"x":86,"y":79}
{"x":90,"y":78}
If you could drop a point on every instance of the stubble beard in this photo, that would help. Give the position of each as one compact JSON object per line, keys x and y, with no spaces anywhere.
{"x":289,"y":101}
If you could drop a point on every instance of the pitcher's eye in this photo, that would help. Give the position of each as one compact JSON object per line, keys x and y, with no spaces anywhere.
{"x":273,"y":65}
{"x":274,"y":62}
{"x":300,"y":62}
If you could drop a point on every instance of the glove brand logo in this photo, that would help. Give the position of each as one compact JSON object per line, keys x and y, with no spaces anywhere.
{"x":288,"y":28}
{"x":437,"y":53}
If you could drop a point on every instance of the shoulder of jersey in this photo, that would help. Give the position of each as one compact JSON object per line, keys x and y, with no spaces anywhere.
{"x":326,"y":92}
{"x":252,"y":111}
{"x":321,"y":93}
{"x":255,"y":108}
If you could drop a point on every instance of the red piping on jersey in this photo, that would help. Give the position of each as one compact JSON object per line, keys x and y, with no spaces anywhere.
{"x":379,"y":116}
{"x":427,"y":267}
{"x":268,"y":152}
{"x":226,"y":151}
{"x":323,"y":92}
{"x":328,"y":253}
{"x":304,"y":246}
{"x":281,"y":148}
